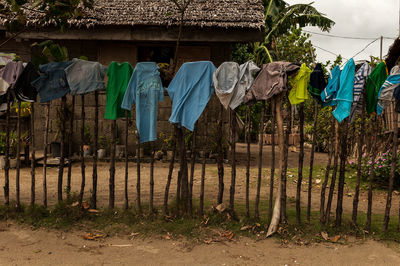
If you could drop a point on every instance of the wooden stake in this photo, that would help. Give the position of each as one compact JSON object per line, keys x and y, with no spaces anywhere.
{"x":203,"y":169}
{"x":17,"y":185}
{"x":248,"y":138}
{"x":314,"y":142}
{"x":170,"y":172}
{"x":183,"y":170}
{"x":61,"y":165}
{"x":271,"y":186}
{"x":138,"y":201}
{"x":96,"y":147}
{"x":192,"y":164}
{"x":220,"y":157}
{"x":82,"y":150}
{"x":7,"y":153}
{"x":260,"y":153}
{"x":233,"y":162}
{"x":334,"y":172}
{"x":126,"y":200}
{"x":285,"y":163}
{"x":33,"y":157}
{"x":111,"y":199}
{"x":372,"y":174}
{"x":70,"y":151}
{"x":342,"y":171}
{"x":301,"y":159}
{"x":153,"y":151}
{"x":46,"y":148}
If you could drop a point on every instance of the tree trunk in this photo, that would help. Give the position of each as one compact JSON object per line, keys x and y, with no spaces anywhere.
{"x":233,"y":163}
{"x":170,"y":172}
{"x":342,"y":172}
{"x":192,"y":164}
{"x":61,"y":165}
{"x":359,"y":162}
{"x":248,"y":138}
{"x":126,"y":199}
{"x":96,"y":147}
{"x":70,"y":141}
{"x":111,"y":182}
{"x":220,"y":157}
{"x":82,"y":151}
{"x":17,"y":185}
{"x":301,"y":159}
{"x":151,"y":207}
{"x":138,"y":200}
{"x":285,"y":163}
{"x":314,"y":141}
{"x":260,"y":153}
{"x":7,"y":153}
{"x":372,"y":174}
{"x":322,"y":216}
{"x":46,"y":148}
{"x":334,"y":172}
{"x":393,"y":169}
{"x":271,"y":187}
{"x":273,"y":227}
{"x":33,"y":157}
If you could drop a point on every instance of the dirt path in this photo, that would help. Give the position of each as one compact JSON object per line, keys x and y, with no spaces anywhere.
{"x":22,"y":246}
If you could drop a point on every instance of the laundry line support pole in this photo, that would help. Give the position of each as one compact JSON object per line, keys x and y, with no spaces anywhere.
{"x":82,"y":152}
{"x":342,"y":172}
{"x":96,"y":147}
{"x":151,"y":199}
{"x":334,"y":173}
{"x":220,"y":156}
{"x":111,"y":183}
{"x":70,"y":152}
{"x":233,"y":162}
{"x":61,"y":163}
{"x":126,"y":200}
{"x":17,"y":185}
{"x":203,"y":167}
{"x":33,"y":157}
{"x":138,"y":200}
{"x":260,"y":160}
{"x":192,"y":165}
{"x":372,"y":173}
{"x":46,"y":148}
{"x":301,"y":160}
{"x":7,"y":153}
{"x":170,"y":171}
{"x":310,"y":175}
{"x":183,"y":171}
{"x":285,"y":163}
{"x":248,"y":132}
{"x":271,"y":184}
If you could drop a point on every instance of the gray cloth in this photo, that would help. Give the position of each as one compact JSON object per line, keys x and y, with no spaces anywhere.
{"x":9,"y":75}
{"x":232,"y":81}
{"x":85,"y":76}
{"x":271,"y":81}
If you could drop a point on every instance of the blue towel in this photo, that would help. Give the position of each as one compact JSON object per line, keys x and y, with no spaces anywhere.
{"x":145,"y":90}
{"x":329,"y":93}
{"x":344,"y":96}
{"x":190,"y":91}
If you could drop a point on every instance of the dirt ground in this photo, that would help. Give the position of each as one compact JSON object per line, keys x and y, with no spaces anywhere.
{"x":24,"y":246}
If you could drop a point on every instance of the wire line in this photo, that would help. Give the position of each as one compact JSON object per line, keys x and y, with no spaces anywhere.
{"x":346,"y":37}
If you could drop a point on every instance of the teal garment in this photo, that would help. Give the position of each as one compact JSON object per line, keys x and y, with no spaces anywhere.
{"x":118,"y":78}
{"x":145,"y":90}
{"x":344,"y":97}
{"x":190,"y":91}
{"x":329,"y":93}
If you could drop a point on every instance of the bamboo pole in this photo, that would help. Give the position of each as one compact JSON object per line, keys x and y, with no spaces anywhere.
{"x":334,"y":173}
{"x":203,"y":169}
{"x":220,"y":157}
{"x":301,"y":160}
{"x":70,"y":141}
{"x":17,"y":178}
{"x":61,"y":165}
{"x":233,"y":162}
{"x":192,"y":165}
{"x":151,"y":205}
{"x":285,"y":163}
{"x":7,"y":153}
{"x":111,"y":182}
{"x":82,"y":150}
{"x":342,"y":172}
{"x":138,"y":201}
{"x":33,"y":157}
{"x":96,"y":144}
{"x":46,"y":148}
{"x":170,"y":172}
{"x":248,"y":138}
{"x":126,"y":199}
{"x":271,"y":186}
{"x":314,"y":141}
{"x":260,"y":153}
{"x":371,"y":174}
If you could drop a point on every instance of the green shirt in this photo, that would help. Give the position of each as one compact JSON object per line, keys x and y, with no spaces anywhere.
{"x":374,"y":83}
{"x":118,"y":80}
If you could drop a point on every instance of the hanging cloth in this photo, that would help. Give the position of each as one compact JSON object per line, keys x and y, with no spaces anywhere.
{"x":359,"y":85}
{"x":317,"y":82}
{"x":118,"y":79}
{"x":145,"y":90}
{"x":344,"y":97}
{"x":225,"y":79}
{"x":246,"y":79}
{"x":374,"y":83}
{"x":85,"y":76}
{"x":298,"y":93}
{"x":24,"y":91}
{"x":53,"y":83}
{"x":9,"y":75}
{"x":190,"y":91}
{"x":271,"y":81}
{"x":329,"y":93}
{"x":386,"y":92}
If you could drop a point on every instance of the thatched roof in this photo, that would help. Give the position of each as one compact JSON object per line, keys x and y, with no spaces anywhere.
{"x":201,"y":13}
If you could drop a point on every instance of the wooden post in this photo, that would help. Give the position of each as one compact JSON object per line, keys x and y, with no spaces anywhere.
{"x":393,"y":169}
{"x":248,"y":138}
{"x":111,"y":182}
{"x":203,"y":169}
{"x":220,"y":157}
{"x":183,"y":170}
{"x":96,"y":147}
{"x":82,"y":150}
{"x":153,"y":151}
{"x":301,"y":159}
{"x":46,"y":148}
{"x":271,"y":186}
{"x":342,"y":171}
{"x":138,"y":201}
{"x":314,"y":141}
{"x":372,"y":174}
{"x":285,"y":163}
{"x":233,"y":162}
{"x":17,"y":185}
{"x":260,"y":153}
{"x":334,"y":172}
{"x":170,"y":172}
{"x":126,"y":200}
{"x":61,"y":165}
{"x":33,"y":157}
{"x":192,"y":164}
{"x":7,"y":153}
{"x":70,"y":151}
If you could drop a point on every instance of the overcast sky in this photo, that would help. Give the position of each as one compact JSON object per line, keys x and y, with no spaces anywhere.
{"x":355,"y":18}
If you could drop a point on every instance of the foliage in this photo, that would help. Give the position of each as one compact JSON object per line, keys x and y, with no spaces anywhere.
{"x":50,"y":52}
{"x":25,"y":108}
{"x":87,"y":136}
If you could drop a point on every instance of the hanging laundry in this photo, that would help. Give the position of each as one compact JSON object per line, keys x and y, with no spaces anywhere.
{"x":359,"y":85}
{"x":9,"y":76}
{"x":374,"y":83}
{"x":298,"y":93}
{"x":246,"y":79}
{"x":225,"y":79}
{"x":85,"y":76}
{"x":344,"y":96}
{"x":145,"y":90}
{"x":386,"y":93}
{"x":53,"y":83}
{"x":118,"y":80}
{"x":190,"y":91}
{"x":5,"y":58}
{"x":24,"y":91}
{"x":329,"y":93}
{"x":317,"y":82}
{"x":271,"y":81}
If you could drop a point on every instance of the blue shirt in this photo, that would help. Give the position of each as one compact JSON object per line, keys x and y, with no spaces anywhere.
{"x":190,"y":91}
{"x":329,"y":93}
{"x":53,"y":83}
{"x":344,"y":96}
{"x":145,"y":90}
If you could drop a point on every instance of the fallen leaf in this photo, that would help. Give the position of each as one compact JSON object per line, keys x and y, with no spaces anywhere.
{"x":75,"y":204}
{"x":245,"y":227}
{"x":325,"y":236}
{"x":317,"y":181}
{"x":208,"y":241}
{"x":37,"y":250}
{"x":93,"y":211}
{"x":220,"y":208}
{"x":90,"y":236}
{"x":167,"y":237}
{"x":336,"y":238}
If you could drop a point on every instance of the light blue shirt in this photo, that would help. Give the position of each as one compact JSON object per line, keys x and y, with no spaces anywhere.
{"x":190,"y":91}
{"x":344,"y":96}
{"x":329,"y":93}
{"x":145,"y":90}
